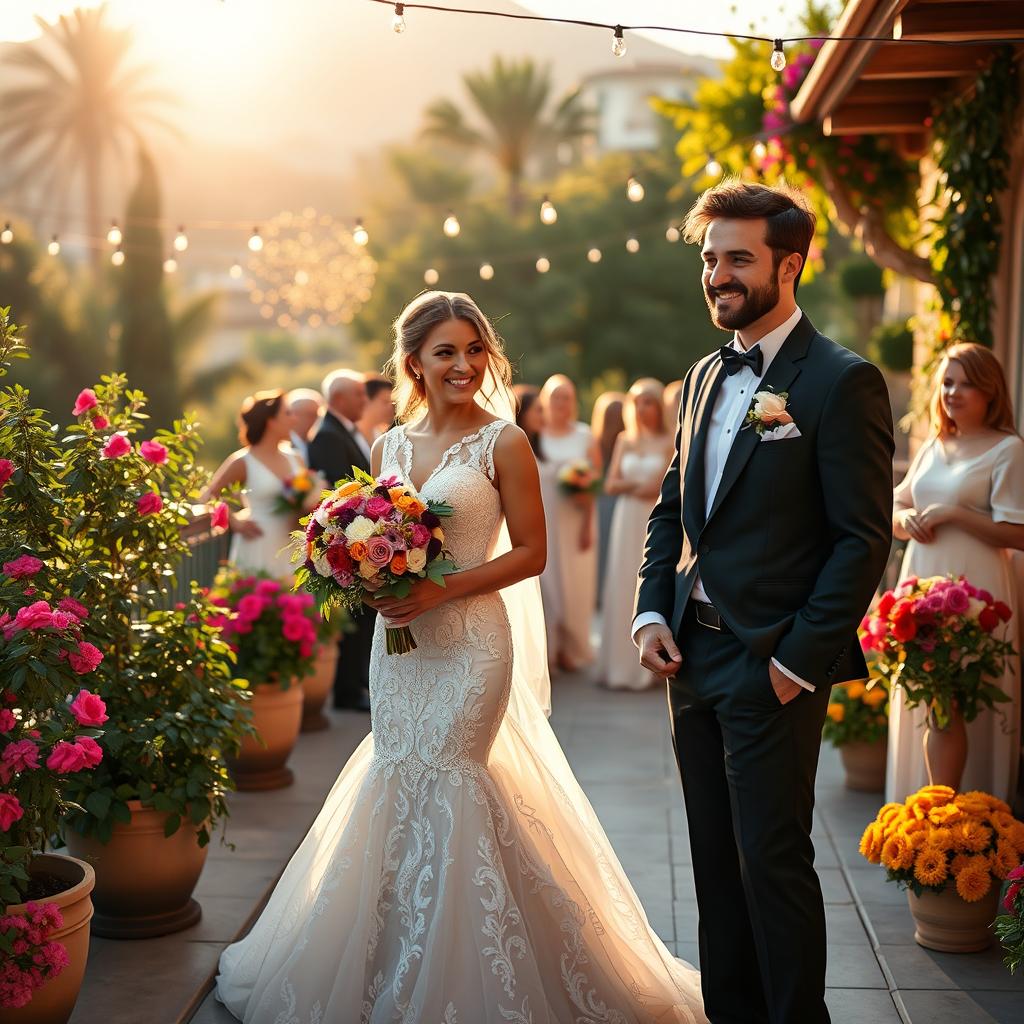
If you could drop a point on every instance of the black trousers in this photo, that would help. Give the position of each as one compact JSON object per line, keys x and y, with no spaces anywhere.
{"x":352,"y":676}
{"x":747,"y":765}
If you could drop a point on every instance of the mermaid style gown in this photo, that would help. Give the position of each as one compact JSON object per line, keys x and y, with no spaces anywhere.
{"x":456,"y":873}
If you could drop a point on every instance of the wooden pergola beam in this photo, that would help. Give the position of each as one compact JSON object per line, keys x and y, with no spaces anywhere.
{"x":912,"y":90}
{"x":960,"y":21}
{"x":862,"y":118}
{"x":919,"y":60}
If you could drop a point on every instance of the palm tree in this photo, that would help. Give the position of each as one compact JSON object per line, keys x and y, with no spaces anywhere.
{"x":76,"y":105}
{"x":511,"y":100}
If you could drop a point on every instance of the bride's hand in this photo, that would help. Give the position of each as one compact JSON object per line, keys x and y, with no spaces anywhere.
{"x":400,"y":611}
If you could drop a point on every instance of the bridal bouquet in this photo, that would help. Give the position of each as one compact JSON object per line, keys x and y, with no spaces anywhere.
{"x":371,"y":536}
{"x":937,"y":638}
{"x":579,"y":477}
{"x":294,"y":493}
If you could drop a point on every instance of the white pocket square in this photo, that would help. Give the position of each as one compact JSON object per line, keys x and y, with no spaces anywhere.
{"x":780,"y":433}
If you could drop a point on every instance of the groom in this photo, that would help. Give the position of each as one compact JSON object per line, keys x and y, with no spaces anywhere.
{"x":769,"y":538}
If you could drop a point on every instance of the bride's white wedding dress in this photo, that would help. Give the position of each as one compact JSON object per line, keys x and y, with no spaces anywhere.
{"x":456,"y":874}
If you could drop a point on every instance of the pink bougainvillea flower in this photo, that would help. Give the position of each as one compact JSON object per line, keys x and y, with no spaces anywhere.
{"x":24,"y":565}
{"x":86,"y":400}
{"x":89,"y":709}
{"x":10,"y":811}
{"x":100,"y":422}
{"x":86,"y":658}
{"x":219,"y":516}
{"x":117,"y":446}
{"x":149,"y":504}
{"x":153,"y":451}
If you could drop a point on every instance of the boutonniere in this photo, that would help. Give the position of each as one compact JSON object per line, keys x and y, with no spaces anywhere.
{"x":767,"y":411}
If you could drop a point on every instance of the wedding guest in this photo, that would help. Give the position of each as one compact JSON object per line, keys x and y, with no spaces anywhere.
{"x":606,"y":425}
{"x":569,"y":582}
{"x":529,"y":415}
{"x":307,"y":406}
{"x":673,"y":392}
{"x":638,"y":463}
{"x":379,"y":415}
{"x":961,"y":507}
{"x":336,"y":448}
{"x":260,"y":533}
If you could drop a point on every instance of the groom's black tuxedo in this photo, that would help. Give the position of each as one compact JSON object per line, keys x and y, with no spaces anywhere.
{"x":789,"y":555}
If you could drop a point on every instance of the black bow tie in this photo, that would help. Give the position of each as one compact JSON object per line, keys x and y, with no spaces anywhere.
{"x":734,"y":361}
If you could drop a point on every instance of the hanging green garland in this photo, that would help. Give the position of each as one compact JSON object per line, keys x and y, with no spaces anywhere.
{"x":971,"y":152}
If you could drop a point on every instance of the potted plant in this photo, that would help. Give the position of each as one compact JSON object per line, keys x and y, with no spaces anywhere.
{"x":50,"y":722}
{"x":273,"y":633}
{"x":857,"y":724}
{"x":942,"y":641}
{"x":317,"y":684}
{"x":949,"y":851}
{"x":1010,"y":925}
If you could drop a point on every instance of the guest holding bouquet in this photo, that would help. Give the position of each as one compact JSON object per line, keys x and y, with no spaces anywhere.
{"x":961,"y":507}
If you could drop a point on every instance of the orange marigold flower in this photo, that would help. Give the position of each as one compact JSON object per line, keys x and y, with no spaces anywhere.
{"x":1015,"y":835}
{"x":875,"y":696}
{"x":836,"y":712}
{"x":958,"y":863}
{"x":897,"y":854}
{"x":346,"y":489}
{"x":973,"y":882}
{"x":931,"y":867}
{"x":1003,"y":859}
{"x":1003,"y":821}
{"x":409,"y":505}
{"x":915,"y":840}
{"x":357,"y":550}
{"x":972,"y":836}
{"x":938,"y":795}
{"x":945,"y":814}
{"x":399,"y":563}
{"x":855,"y":690}
{"x":941,"y":838}
{"x":394,"y":493}
{"x":870,"y":843}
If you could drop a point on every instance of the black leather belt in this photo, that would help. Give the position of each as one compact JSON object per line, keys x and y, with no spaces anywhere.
{"x":707,"y":616}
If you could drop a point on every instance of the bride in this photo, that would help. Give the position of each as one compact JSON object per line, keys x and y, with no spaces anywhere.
{"x":457,"y":873}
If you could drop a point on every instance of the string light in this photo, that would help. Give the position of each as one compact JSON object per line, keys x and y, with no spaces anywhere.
{"x":398,"y":25}
{"x":7,"y":235}
{"x":117,"y":257}
{"x":486,"y":272}
{"x":618,"y":42}
{"x":431,"y":276}
{"x":760,"y":151}
{"x":359,"y":234}
{"x":632,"y":245}
{"x":672,"y":233}
{"x":634,"y":190}
{"x":54,"y":247}
{"x":594,"y":254}
{"x":713,"y":168}
{"x":255,"y":242}
{"x":451,"y":225}
{"x":114,"y":236}
{"x":548,"y":213}
{"x":170,"y":265}
{"x":236,"y":270}
{"x":543,"y":265}
{"x":778,"y":60}
{"x":181,"y":239}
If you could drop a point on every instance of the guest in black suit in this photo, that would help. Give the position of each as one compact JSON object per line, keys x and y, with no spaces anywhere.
{"x":336,"y":448}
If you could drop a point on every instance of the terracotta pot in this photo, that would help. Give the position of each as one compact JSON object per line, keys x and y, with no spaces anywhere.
{"x":315,"y":688}
{"x":144,"y":879}
{"x":277,"y":716}
{"x":948,"y":924}
{"x":864,"y":764}
{"x":945,"y":750}
{"x":55,"y":1001}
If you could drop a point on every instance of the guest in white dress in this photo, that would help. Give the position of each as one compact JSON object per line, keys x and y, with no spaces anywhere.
{"x":261,"y":533}
{"x":961,"y":507}
{"x":606,"y":424}
{"x":639,"y":459}
{"x":569,"y":583}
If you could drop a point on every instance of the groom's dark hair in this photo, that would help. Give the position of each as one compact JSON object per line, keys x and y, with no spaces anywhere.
{"x":790,"y":220}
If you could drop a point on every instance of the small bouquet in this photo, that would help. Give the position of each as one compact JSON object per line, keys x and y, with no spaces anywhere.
{"x":857,"y":714}
{"x":579,"y":477}
{"x":1010,"y":926}
{"x":371,"y":536}
{"x":294,"y":493}
{"x":936,"y":637}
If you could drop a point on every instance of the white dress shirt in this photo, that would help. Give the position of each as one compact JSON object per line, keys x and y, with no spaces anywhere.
{"x":731,"y":405}
{"x":301,"y":445}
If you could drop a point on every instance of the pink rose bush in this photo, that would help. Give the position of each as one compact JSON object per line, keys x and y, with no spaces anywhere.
{"x":943,"y":641}
{"x":149,"y":504}
{"x":30,"y":958}
{"x":153,"y":451}
{"x":116,"y":447}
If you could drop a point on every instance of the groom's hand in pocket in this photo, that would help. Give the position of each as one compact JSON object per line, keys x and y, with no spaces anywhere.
{"x":786,"y":689}
{"x":658,"y":651}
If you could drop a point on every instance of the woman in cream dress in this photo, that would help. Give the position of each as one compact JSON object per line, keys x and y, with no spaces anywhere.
{"x":961,"y":507}
{"x":569,"y":583}
{"x":639,"y":459}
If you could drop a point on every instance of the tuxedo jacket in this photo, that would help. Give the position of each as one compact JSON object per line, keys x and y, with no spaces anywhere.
{"x":334,"y":451}
{"x":799,"y":532}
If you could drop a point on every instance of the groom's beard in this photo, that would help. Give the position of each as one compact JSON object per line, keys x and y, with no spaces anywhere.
{"x":755,"y":304}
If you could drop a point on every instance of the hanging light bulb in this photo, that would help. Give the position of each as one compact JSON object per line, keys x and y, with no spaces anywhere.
{"x":117,"y":257}
{"x":760,"y":151}
{"x":114,"y":236}
{"x":431,"y":276}
{"x":672,"y":233}
{"x":236,"y":270}
{"x":451,"y":224}
{"x":359,"y":234}
{"x":594,"y":254}
{"x":255,"y":241}
{"x":181,"y":239}
{"x":618,"y":43}
{"x":398,"y":25}
{"x":7,"y":235}
{"x":713,"y":168}
{"x":170,"y":264}
{"x":634,"y":190}
{"x":486,"y":272}
{"x":54,"y":247}
{"x":632,"y":245}
{"x":543,"y":265}
{"x":778,"y":56}
{"x":548,"y":213}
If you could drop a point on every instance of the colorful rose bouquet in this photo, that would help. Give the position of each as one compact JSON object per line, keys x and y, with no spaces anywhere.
{"x":371,"y":537}
{"x":857,"y":713}
{"x":295,"y":493}
{"x":579,"y":477}
{"x":1010,"y":926}
{"x":939,"y":836}
{"x":939,"y":639}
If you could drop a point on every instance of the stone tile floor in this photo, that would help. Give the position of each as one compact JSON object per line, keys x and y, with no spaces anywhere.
{"x":619,"y":746}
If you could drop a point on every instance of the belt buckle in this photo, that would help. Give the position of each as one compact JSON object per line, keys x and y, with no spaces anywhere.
{"x":715,"y":625}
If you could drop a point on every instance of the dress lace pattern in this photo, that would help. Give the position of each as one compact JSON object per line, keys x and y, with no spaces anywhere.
{"x":450,"y":878}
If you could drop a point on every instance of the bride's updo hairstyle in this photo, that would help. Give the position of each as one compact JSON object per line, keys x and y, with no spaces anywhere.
{"x":256,"y":412}
{"x":414,"y":324}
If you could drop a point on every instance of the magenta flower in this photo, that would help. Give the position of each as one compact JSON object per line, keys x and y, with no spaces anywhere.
{"x":86,"y":400}
{"x":219,"y":516}
{"x":85,"y":659}
{"x":20,"y":756}
{"x":7,"y":720}
{"x":149,"y":504}
{"x":91,"y":751}
{"x":10,"y":811}
{"x":956,"y":600}
{"x":100,"y":422}
{"x":378,"y":551}
{"x":117,"y":446}
{"x":251,"y":607}
{"x":6,"y":472}
{"x":378,"y":508}
{"x":153,"y":451}
{"x":65,"y":757}
{"x":69,"y":604}
{"x":89,"y":709}
{"x":268,"y":588}
{"x":294,"y":630}
{"x":34,"y":616}
{"x":25,"y":565}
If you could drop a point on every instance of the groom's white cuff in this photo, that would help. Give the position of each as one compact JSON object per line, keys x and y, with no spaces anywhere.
{"x":646,"y":618}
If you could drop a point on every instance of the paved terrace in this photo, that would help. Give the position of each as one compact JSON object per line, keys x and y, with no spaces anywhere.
{"x":877,"y":974}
